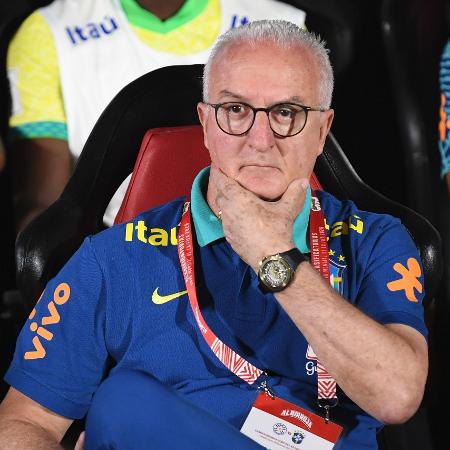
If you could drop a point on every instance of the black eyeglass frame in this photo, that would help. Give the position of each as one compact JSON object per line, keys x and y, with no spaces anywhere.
{"x":305,"y":108}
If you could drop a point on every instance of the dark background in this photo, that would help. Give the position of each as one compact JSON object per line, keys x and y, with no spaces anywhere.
{"x":386,"y":59}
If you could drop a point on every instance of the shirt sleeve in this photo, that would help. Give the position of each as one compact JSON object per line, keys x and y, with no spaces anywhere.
{"x":392,"y":288}
{"x":33,"y":73}
{"x":61,"y":356}
{"x":444,"y":111}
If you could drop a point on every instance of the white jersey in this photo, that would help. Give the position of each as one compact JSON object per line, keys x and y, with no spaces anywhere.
{"x":99,"y":54}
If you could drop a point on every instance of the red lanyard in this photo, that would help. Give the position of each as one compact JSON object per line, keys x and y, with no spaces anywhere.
{"x":229,"y":358}
{"x":238,"y":365}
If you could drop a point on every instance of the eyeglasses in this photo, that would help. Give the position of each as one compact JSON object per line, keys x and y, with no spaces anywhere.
{"x":285,"y":119}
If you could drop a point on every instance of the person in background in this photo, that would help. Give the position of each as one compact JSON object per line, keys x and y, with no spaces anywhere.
{"x":69,"y":59}
{"x":444,"y":113}
{"x":278,"y":311}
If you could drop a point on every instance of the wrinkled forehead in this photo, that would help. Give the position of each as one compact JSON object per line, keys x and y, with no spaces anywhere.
{"x":267,"y":71}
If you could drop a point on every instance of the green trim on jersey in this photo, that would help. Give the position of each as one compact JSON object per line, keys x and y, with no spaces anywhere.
{"x":36,"y":130}
{"x":140,"y":17}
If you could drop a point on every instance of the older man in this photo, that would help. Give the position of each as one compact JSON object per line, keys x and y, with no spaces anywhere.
{"x":234,"y":315}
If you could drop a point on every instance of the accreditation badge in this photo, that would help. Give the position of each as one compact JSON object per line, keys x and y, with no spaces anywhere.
{"x":278,"y":424}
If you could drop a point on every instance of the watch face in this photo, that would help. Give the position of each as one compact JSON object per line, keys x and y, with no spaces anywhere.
{"x":275,"y":272}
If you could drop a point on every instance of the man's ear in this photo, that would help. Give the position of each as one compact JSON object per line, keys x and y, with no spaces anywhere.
{"x":203,"y":111}
{"x":326,"y":120}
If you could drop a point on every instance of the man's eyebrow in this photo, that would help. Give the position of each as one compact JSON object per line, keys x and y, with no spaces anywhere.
{"x":292,"y":99}
{"x":226,"y":93}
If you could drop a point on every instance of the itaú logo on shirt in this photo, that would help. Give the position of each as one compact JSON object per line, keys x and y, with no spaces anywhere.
{"x":152,"y":236}
{"x":61,"y":295}
{"x":92,"y":30}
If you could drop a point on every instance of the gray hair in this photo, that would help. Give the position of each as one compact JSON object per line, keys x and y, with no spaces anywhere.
{"x":284,"y":34}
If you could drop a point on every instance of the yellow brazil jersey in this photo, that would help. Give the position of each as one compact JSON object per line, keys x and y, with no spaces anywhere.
{"x":38,"y":107}
{"x":34,"y":66}
{"x":69,"y":59}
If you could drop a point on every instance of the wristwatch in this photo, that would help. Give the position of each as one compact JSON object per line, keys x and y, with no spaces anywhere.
{"x":277,"y":271}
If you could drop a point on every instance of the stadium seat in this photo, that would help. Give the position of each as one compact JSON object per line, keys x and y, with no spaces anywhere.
{"x":165,"y":98}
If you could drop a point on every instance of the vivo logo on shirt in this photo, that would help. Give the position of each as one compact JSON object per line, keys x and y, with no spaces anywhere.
{"x":92,"y":30}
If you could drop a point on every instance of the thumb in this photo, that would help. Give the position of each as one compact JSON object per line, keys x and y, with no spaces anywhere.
{"x":294,"y":196}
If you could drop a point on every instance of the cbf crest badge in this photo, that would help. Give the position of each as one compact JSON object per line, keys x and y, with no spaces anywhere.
{"x":337,"y":276}
{"x":297,"y":437}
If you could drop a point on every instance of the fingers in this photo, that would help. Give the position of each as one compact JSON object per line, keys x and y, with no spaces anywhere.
{"x":217,"y":175}
{"x":80,"y":442}
{"x":224,"y":187}
{"x":217,"y":183}
{"x":219,"y":179}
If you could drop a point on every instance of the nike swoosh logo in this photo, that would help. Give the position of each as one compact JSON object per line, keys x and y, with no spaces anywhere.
{"x":161,"y":299}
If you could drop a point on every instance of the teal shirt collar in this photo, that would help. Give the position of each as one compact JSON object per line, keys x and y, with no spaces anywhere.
{"x":208,"y":228}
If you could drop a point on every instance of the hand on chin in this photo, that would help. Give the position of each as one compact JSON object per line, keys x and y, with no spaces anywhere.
{"x":269,"y":189}
{"x":253,"y":227}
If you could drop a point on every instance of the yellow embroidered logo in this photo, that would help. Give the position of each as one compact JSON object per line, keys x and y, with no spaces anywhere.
{"x":161,"y":299}
{"x":409,"y":279}
{"x":60,"y":297}
{"x":152,"y":236}
{"x":339,"y":228}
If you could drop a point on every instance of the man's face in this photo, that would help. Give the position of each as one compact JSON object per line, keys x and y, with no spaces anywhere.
{"x":260,"y":161}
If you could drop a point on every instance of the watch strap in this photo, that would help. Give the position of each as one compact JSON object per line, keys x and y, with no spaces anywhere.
{"x":294,"y":257}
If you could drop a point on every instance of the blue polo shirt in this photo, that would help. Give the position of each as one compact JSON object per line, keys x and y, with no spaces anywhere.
{"x":120,"y":303}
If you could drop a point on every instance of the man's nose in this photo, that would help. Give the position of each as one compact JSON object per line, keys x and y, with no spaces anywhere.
{"x":261,"y":135}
